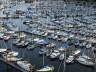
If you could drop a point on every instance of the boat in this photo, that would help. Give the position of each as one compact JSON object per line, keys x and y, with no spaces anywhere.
{"x":12,"y":27}
{"x":46,"y":69}
{"x":55,"y":54}
{"x":31,"y":47}
{"x":78,"y":51}
{"x":87,"y":57}
{"x":22,"y":43}
{"x":2,"y":50}
{"x":10,"y":58}
{"x":12,"y":53}
{"x":70,"y":59}
{"x":21,"y":35}
{"x":85,"y":60}
{"x":51,"y":45}
{"x":6,"y":37}
{"x":49,"y":52}
{"x":61,"y":57}
{"x":25,"y":65}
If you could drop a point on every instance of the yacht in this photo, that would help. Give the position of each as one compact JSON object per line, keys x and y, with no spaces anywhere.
{"x":46,"y":69}
{"x":25,"y":65}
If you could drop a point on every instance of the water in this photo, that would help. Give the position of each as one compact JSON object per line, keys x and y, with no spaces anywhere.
{"x":36,"y":59}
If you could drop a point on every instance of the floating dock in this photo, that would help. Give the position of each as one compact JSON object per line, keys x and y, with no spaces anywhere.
{"x":13,"y":65}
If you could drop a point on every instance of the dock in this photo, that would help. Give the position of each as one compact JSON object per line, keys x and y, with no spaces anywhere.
{"x":13,"y":65}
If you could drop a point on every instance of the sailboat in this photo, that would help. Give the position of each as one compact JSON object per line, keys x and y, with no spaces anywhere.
{"x":21,"y":40}
{"x":45,"y":68}
{"x":87,"y":57}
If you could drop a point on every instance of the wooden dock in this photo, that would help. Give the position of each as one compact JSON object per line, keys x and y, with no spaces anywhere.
{"x":13,"y":65}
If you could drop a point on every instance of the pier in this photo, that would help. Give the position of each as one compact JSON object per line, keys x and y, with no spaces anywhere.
{"x":13,"y":65}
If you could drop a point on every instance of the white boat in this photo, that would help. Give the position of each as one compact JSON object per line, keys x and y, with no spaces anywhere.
{"x":55,"y":54}
{"x":61,"y":57}
{"x":13,"y":53}
{"x":11,"y":58}
{"x":78,"y":51}
{"x":70,"y":59}
{"x":46,"y":69}
{"x":22,"y":43}
{"x":6,"y":37}
{"x":89,"y":45}
{"x":51,"y":45}
{"x":36,"y":39}
{"x":85,"y":60}
{"x":49,"y":52}
{"x":24,"y":65}
{"x":2,"y":50}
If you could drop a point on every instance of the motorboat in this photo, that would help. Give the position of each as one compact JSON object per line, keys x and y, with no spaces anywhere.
{"x":25,"y":65}
{"x":46,"y":69}
{"x":85,"y":60}
{"x":55,"y":54}
{"x":70,"y":59}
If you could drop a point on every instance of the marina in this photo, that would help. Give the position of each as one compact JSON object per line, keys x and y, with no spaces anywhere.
{"x":47,"y":36}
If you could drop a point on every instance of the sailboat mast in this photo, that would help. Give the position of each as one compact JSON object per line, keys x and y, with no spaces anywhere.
{"x":43,"y":60}
{"x":64,"y":61}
